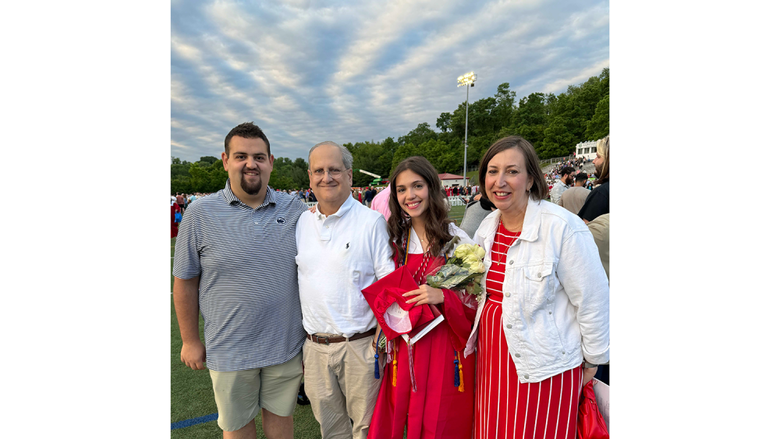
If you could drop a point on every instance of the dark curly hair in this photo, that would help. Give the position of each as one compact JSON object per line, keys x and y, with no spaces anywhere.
{"x":247,"y":130}
{"x":437,"y":222}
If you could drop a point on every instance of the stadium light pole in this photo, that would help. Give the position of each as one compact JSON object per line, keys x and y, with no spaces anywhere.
{"x":467,"y":80}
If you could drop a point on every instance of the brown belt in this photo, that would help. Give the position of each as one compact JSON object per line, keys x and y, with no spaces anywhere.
{"x":338,"y":338}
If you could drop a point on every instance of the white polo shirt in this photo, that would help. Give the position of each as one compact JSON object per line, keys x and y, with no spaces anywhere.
{"x":338,"y":256}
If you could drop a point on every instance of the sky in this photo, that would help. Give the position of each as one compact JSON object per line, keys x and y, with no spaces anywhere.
{"x":87,"y":107}
{"x":353,"y":71}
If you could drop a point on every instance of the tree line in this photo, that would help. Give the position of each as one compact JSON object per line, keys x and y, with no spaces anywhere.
{"x":554,"y":124}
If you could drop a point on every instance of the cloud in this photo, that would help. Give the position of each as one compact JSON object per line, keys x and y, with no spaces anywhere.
{"x":361,"y":71}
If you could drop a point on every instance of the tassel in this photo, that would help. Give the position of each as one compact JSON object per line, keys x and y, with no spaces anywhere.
{"x":457,"y":368}
{"x":462,"y":384}
{"x":376,"y":356}
{"x":395,"y":365}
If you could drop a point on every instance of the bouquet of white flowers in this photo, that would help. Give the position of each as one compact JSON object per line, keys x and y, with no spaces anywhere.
{"x":463,"y":271}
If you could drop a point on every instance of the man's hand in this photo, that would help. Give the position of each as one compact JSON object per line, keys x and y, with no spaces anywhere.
{"x":425,"y":294}
{"x":588,"y":373}
{"x":193,"y":355}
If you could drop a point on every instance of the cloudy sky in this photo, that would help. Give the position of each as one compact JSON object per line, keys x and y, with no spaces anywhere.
{"x":350,"y":71}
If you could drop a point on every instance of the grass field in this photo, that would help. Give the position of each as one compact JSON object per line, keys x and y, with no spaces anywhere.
{"x":192,"y":396}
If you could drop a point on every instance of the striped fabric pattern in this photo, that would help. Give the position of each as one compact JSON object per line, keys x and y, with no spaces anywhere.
{"x":495,"y":277}
{"x":248,"y":278}
{"x":504,"y":407}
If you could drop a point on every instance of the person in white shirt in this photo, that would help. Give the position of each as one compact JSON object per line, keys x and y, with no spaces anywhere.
{"x":343,"y":247}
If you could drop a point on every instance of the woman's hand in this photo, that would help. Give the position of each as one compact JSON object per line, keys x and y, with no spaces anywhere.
{"x":313,"y":209}
{"x":425,"y":294}
{"x":588,"y":373}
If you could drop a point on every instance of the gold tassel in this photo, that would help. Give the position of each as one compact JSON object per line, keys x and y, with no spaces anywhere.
{"x":395,"y":363}
{"x":462,"y":386}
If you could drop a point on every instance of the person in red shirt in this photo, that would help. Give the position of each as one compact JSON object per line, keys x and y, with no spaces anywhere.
{"x":174,"y":225}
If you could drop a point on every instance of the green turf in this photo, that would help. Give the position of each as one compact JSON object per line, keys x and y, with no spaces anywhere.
{"x":456,"y":213}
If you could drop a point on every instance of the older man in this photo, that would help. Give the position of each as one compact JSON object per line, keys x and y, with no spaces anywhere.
{"x":342,"y":248}
{"x":235,"y":265}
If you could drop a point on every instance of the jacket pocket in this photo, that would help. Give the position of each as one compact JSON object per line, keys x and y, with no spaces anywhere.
{"x":538,"y":281}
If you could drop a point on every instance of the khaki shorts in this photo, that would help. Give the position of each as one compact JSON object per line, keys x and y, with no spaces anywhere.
{"x":240,"y":394}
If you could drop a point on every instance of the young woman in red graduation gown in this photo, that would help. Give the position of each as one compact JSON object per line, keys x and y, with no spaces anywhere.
{"x":443,"y":404}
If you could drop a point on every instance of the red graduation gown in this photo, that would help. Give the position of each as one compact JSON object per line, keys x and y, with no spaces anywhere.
{"x":437,"y":410}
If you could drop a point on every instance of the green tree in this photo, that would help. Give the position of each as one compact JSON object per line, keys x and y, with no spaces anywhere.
{"x":208,"y":159}
{"x":443,"y":122}
{"x":421,"y":134}
{"x":208,"y":179}
{"x":558,"y":140}
{"x":598,"y":125}
{"x":370,"y":157}
{"x":505,"y":102}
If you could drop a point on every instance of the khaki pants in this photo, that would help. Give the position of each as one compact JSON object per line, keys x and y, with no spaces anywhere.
{"x":341,"y":386}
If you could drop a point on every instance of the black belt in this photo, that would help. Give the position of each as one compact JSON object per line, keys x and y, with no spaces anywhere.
{"x":338,"y":339}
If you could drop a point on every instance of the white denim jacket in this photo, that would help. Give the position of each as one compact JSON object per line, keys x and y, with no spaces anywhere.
{"x":555,"y":309}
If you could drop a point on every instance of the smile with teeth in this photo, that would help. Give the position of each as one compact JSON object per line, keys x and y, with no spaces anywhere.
{"x":501,"y":194}
{"x":413,"y":205}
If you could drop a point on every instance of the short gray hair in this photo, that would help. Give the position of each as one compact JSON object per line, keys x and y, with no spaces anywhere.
{"x":346,"y":156}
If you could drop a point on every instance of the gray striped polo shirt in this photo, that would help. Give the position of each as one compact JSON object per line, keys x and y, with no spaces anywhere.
{"x":248,"y":294}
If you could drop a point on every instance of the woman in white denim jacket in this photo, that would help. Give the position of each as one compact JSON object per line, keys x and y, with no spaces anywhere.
{"x":545,"y":315}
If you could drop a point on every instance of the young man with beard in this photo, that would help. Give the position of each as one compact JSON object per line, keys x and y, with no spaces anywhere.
{"x":597,"y":203}
{"x":342,"y":249}
{"x":235,"y":265}
{"x":567,"y":178}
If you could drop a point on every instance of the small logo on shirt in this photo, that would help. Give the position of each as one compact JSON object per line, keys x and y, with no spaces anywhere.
{"x":280,"y":220}
{"x":347,"y":245}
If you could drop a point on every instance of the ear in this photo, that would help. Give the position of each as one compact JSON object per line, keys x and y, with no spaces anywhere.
{"x":271,"y":161}
{"x":224,"y":160}
{"x":350,"y":177}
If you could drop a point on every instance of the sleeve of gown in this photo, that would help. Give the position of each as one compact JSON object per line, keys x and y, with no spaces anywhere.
{"x":458,"y":317}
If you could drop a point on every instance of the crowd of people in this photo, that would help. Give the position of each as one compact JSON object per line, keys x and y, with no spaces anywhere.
{"x":281,"y":289}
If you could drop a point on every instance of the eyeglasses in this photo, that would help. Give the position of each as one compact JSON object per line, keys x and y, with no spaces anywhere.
{"x":334,"y":172}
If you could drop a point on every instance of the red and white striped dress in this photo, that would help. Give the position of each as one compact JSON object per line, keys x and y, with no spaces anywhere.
{"x":504,"y":407}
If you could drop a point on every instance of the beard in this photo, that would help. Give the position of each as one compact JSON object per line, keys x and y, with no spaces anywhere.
{"x":251,"y":188}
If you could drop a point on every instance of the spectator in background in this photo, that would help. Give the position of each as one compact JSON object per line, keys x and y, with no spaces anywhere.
{"x":574,"y":197}
{"x":599,"y":228}
{"x":597,"y":202}
{"x":180,"y":201}
{"x":174,"y":225}
{"x":380,"y":202}
{"x":567,"y":178}
{"x":475,"y":212}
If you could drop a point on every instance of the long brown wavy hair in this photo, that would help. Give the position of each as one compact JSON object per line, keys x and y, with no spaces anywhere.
{"x":437,"y":222}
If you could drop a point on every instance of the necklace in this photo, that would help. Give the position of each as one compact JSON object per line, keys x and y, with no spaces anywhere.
{"x":423,"y":265}
{"x":512,"y":237}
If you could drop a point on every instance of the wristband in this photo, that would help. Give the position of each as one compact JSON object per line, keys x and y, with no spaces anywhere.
{"x":589,"y":365}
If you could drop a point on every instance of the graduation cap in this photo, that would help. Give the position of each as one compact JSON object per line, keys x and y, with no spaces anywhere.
{"x":395,"y":316}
